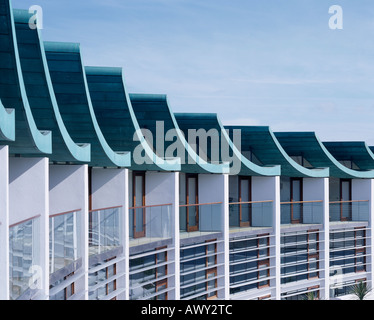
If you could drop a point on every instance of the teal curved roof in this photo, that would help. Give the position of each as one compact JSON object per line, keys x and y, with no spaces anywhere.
{"x":152,"y":108}
{"x":117,"y":120}
{"x":208,"y":121}
{"x":29,"y":139}
{"x":356,"y":151}
{"x":40,"y":93}
{"x":72,"y":95}
{"x":262,"y":142}
{"x":7,"y":124}
{"x":308,"y":145}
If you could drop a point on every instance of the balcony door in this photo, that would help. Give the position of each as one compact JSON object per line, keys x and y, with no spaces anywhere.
{"x":296,"y":196}
{"x":245,"y":196}
{"x":192,"y":197}
{"x":139,"y":204}
{"x":345,"y":198}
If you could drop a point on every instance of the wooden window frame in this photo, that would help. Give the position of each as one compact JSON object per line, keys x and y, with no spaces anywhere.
{"x":296,"y":221}
{"x":192,"y":176}
{"x":138,"y":234}
{"x":341,"y":199}
{"x":211,"y":270}
{"x":314,"y":255}
{"x":361,"y":250}
{"x":246,"y":223}
{"x":107,"y":277}
{"x":163,"y":282}
{"x":264,"y":262}
{"x":72,"y":286}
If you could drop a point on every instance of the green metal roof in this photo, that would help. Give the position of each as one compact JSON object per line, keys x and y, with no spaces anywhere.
{"x":117,"y":120}
{"x":40,"y":93}
{"x":152,"y":108}
{"x":262,"y":142}
{"x":29,"y":139}
{"x":355,"y":151}
{"x":208,"y":121}
{"x":308,"y":145}
{"x":74,"y":101}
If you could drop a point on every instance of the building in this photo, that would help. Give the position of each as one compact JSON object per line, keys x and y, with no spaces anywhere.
{"x":107,"y":195}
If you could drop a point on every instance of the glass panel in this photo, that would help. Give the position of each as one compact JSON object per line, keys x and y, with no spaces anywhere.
{"x":192,"y":210}
{"x":346,"y":196}
{"x":245,"y":197}
{"x":296,"y":196}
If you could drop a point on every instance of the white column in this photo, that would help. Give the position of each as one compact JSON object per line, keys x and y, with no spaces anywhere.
{"x":163,"y":188}
{"x":318,"y":189}
{"x":110,"y":189}
{"x":4,"y":223}
{"x":363,"y":189}
{"x":215,"y":188}
{"x":29,"y":181}
{"x":265,"y":189}
{"x":68,"y":191}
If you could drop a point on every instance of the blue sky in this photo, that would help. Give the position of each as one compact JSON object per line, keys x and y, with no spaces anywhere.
{"x":269,"y":62}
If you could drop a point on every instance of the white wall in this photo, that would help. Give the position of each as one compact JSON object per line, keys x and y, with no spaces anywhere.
{"x":68,"y":191}
{"x":110,"y":189}
{"x":29,"y":197}
{"x":163,"y":188}
{"x":4,"y":223}
{"x":215,"y":188}
{"x":264,"y":189}
{"x":363,"y":189}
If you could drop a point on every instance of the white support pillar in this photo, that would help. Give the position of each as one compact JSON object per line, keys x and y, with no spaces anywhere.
{"x":215,"y":188}
{"x":318,"y":189}
{"x":163,"y":188}
{"x":4,"y":223}
{"x":268,"y":189}
{"x":29,"y":198}
{"x":363,"y":189}
{"x":110,"y":189}
{"x":68,"y":191}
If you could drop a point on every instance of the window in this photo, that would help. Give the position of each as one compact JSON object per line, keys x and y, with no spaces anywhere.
{"x":345,"y":198}
{"x":313,"y":254}
{"x":192,"y":198}
{"x":245,"y":196}
{"x":360,"y":250}
{"x":263,"y":264}
{"x":296,"y":196}
{"x":211,"y":274}
{"x":138,"y":188}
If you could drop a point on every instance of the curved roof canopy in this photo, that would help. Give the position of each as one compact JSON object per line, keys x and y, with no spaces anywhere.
{"x":29,"y":139}
{"x":355,"y":152}
{"x":154,"y":114}
{"x":308,"y":145}
{"x":40,"y":93}
{"x":261,"y":141}
{"x":225,"y":149}
{"x":70,"y":86}
{"x":117,"y":120}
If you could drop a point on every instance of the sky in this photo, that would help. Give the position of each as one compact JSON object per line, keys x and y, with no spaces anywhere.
{"x":270,"y":63}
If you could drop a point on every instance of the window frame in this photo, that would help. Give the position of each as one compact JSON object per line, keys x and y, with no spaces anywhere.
{"x":196,"y":207}
{"x":249,"y":179}
{"x":138,"y":234}
{"x":296,"y":221}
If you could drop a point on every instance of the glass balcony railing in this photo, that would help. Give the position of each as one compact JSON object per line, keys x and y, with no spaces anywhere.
{"x":302,"y":212}
{"x":354,"y":210}
{"x":104,"y":230}
{"x":24,"y":247}
{"x":251,"y":214}
{"x":150,"y":223}
{"x":64,"y":239}
{"x":200,"y":218}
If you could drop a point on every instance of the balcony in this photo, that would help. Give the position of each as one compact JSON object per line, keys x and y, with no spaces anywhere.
{"x":302,"y":212}
{"x":200,"y":219}
{"x":104,"y":230}
{"x":64,"y":240}
{"x":150,"y":223}
{"x":254,"y":214}
{"x":346,"y":211}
